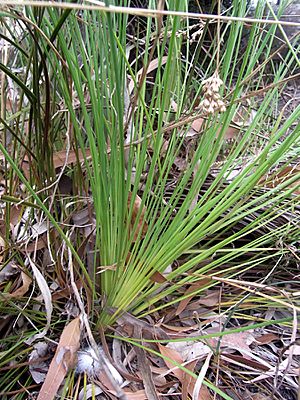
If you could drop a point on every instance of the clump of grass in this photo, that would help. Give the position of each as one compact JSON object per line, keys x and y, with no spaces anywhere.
{"x":148,"y":211}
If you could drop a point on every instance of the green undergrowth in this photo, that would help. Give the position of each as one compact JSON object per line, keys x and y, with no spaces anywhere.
{"x":103,"y":174}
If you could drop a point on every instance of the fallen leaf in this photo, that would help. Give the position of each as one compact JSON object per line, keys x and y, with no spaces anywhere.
{"x":9,"y":270}
{"x":279,"y":177}
{"x":200,"y":392}
{"x":137,"y":213}
{"x":38,"y":244}
{"x":39,"y":229}
{"x":187,"y":383}
{"x":65,"y":358}
{"x":151,"y":67}
{"x":209,"y":300}
{"x":61,"y":158}
{"x":259,"y":396}
{"x":65,"y":185}
{"x":82,"y":217}
{"x":197,"y":124}
{"x":145,"y":370}
{"x":26,"y":282}
{"x":294,"y":350}
{"x":196,"y":129}
{"x":190,"y":350}
{"x":157,"y":277}
{"x":242,"y":118}
{"x":277,"y":369}
{"x":158,"y":378}
{"x":37,"y":366}
{"x":128,"y":322}
{"x":204,"y":394}
{"x":138,"y":395}
{"x":173,"y":355}
{"x":46,"y":295}
{"x":266,"y":338}
{"x":239,"y":341}
{"x":246,"y":362}
{"x":15,"y":214}
{"x":66,"y":291}
{"x":180,"y":330}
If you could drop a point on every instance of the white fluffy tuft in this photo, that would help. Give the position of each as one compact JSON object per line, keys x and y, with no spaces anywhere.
{"x":87,"y":362}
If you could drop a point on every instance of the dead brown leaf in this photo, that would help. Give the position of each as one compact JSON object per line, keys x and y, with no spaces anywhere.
{"x":266,"y":338}
{"x":38,"y":366}
{"x":241,"y":118}
{"x":180,"y":330}
{"x":66,"y":291}
{"x":187,"y":381}
{"x":38,"y":244}
{"x":157,"y":277}
{"x":190,"y":350}
{"x":259,"y":396}
{"x":60,"y":158}
{"x":15,"y":214}
{"x":128,"y":323}
{"x":142,"y":226}
{"x":173,"y":355}
{"x":247,"y":361}
{"x":145,"y":371}
{"x":197,"y":124}
{"x":239,"y":341}
{"x":8,"y":271}
{"x":138,"y":395}
{"x":64,"y":359}
{"x":26,"y":282}
{"x":231,"y":132}
{"x":209,"y":300}
{"x":204,"y":394}
{"x":151,"y":67}
{"x":276,"y":179}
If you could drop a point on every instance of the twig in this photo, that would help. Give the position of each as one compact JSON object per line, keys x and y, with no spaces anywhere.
{"x":237,"y":284}
{"x":218,"y":38}
{"x":144,"y":12}
{"x":268,"y":87}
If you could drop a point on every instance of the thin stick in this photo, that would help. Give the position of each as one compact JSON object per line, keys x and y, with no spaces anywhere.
{"x":268,"y":87}
{"x":218,"y":37}
{"x":144,"y":12}
{"x":259,"y":293}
